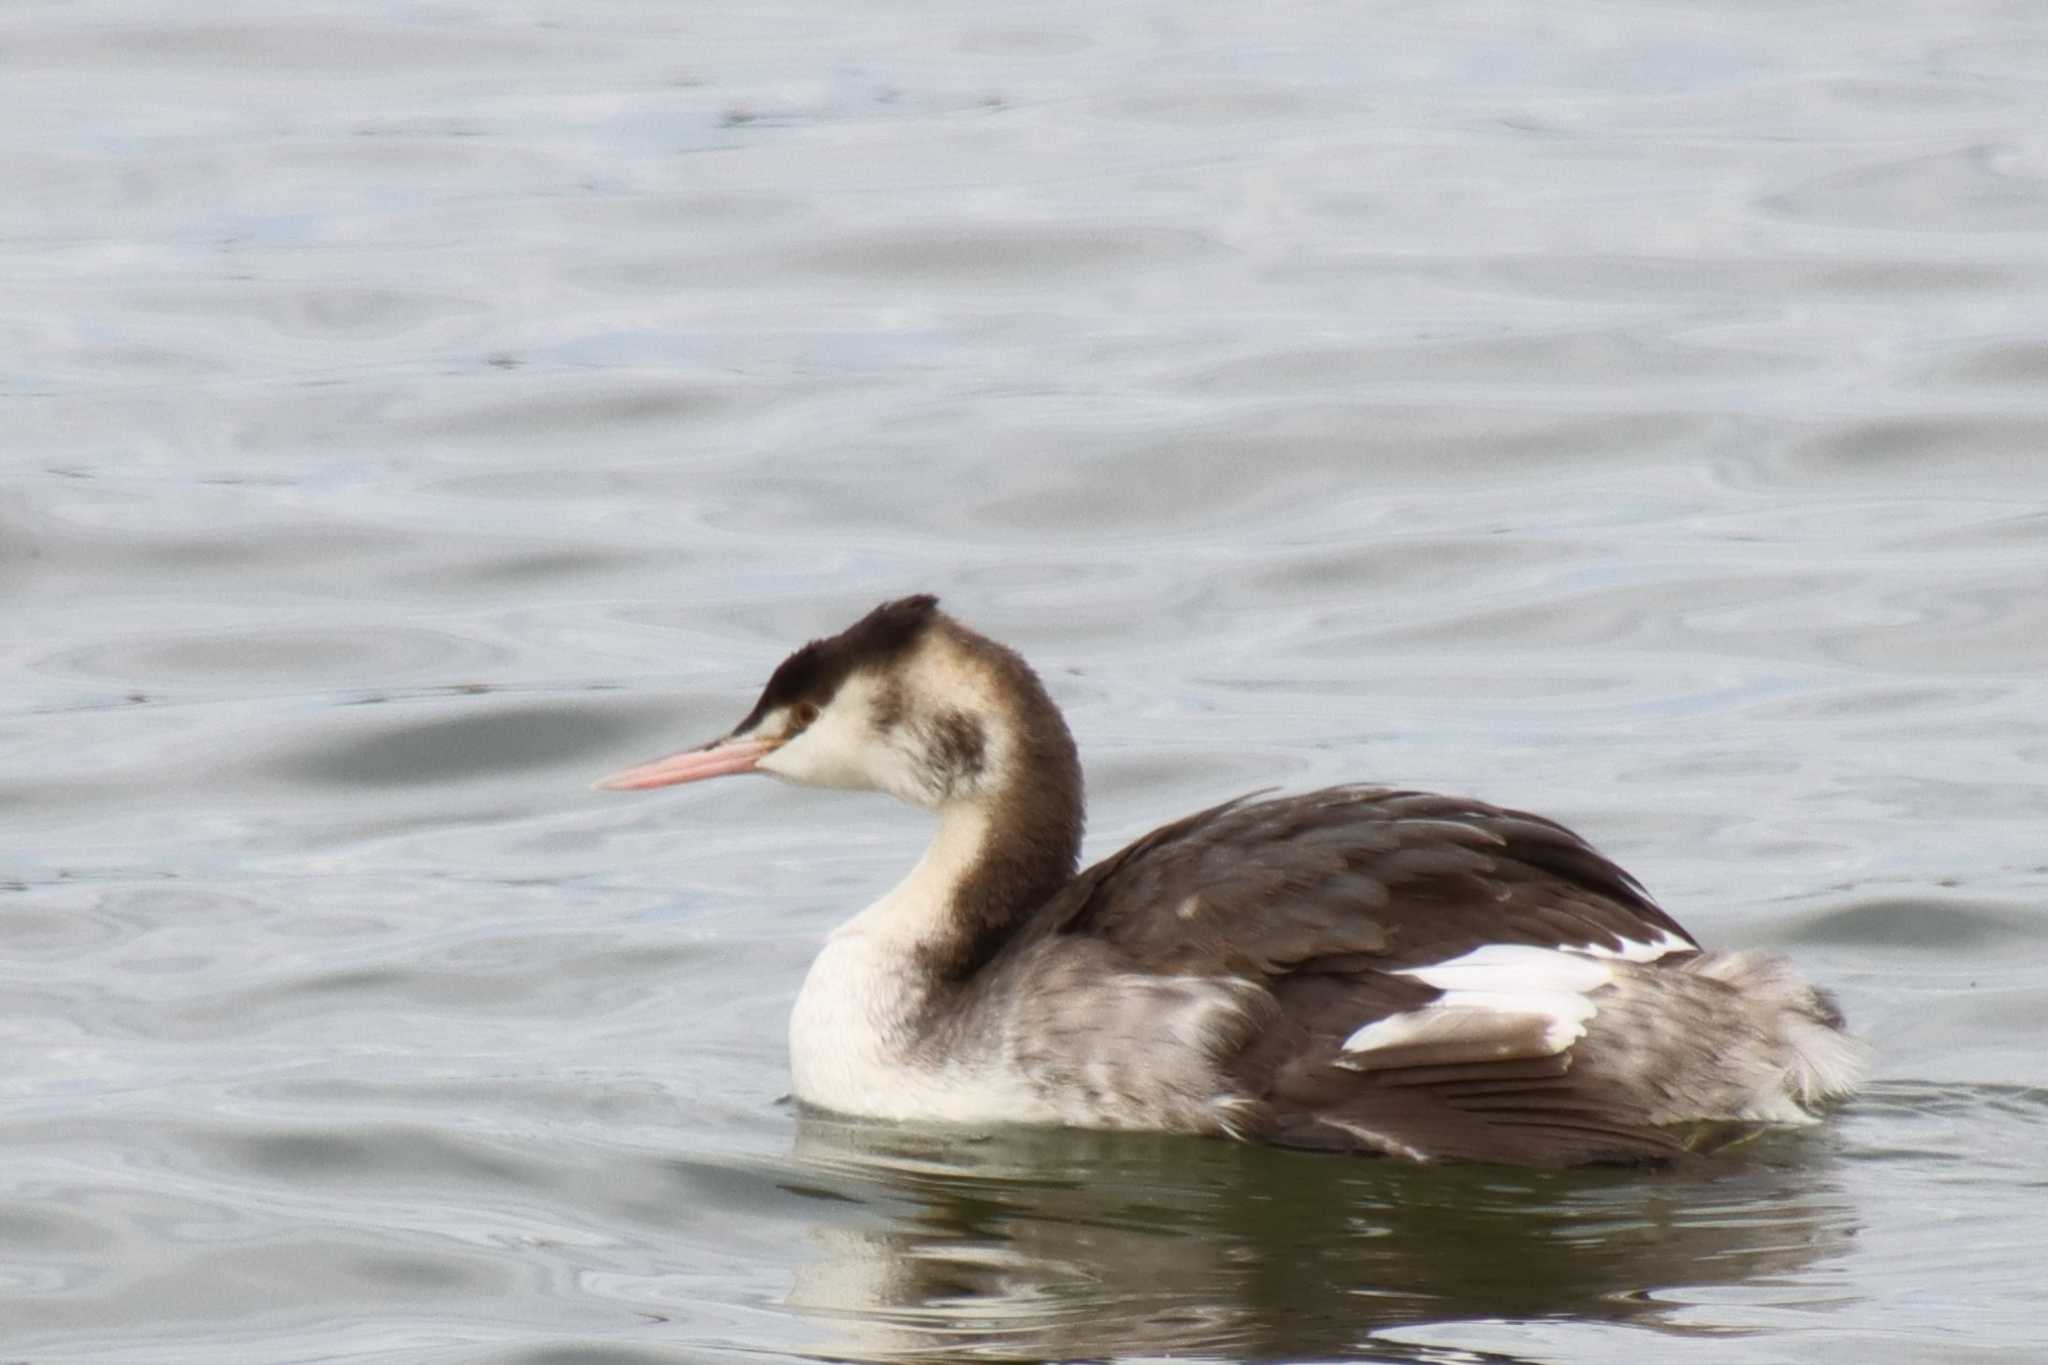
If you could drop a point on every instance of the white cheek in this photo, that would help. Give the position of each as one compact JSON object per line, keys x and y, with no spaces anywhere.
{"x":841,"y":749}
{"x":848,"y":756}
{"x":827,"y":754}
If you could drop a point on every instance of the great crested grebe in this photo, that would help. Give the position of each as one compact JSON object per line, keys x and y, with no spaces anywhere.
{"x":1354,"y":969}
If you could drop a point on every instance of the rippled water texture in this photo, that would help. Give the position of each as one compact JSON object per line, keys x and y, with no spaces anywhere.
{"x":411,"y":412}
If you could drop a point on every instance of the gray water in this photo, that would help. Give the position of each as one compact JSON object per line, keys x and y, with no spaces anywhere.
{"x":413,"y":411}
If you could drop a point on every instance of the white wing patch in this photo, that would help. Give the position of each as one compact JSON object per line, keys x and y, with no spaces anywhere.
{"x":1634,"y":950}
{"x":1503,"y":1000}
{"x":1515,"y":967}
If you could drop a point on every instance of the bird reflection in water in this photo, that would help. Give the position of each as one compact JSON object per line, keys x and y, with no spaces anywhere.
{"x":1059,"y":1244}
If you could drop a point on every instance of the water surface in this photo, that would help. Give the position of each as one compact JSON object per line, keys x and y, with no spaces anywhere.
{"x":1630,"y":412}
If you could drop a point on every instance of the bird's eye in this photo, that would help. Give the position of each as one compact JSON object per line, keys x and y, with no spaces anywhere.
{"x":802,"y":714}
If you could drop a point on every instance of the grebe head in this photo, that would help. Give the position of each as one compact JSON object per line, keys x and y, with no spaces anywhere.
{"x":905,"y":701}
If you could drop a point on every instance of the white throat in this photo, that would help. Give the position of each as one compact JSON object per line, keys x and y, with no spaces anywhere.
{"x":851,"y":1034}
{"x":920,"y":907}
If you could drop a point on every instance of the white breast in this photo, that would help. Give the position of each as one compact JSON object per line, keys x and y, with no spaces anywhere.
{"x":853,"y":1046}
{"x":855,"y":1032}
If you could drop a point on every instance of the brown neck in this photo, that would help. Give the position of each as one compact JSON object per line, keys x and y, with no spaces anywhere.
{"x":1032,"y":841}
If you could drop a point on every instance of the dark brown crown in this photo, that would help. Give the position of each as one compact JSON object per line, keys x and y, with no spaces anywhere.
{"x":814,"y":673}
